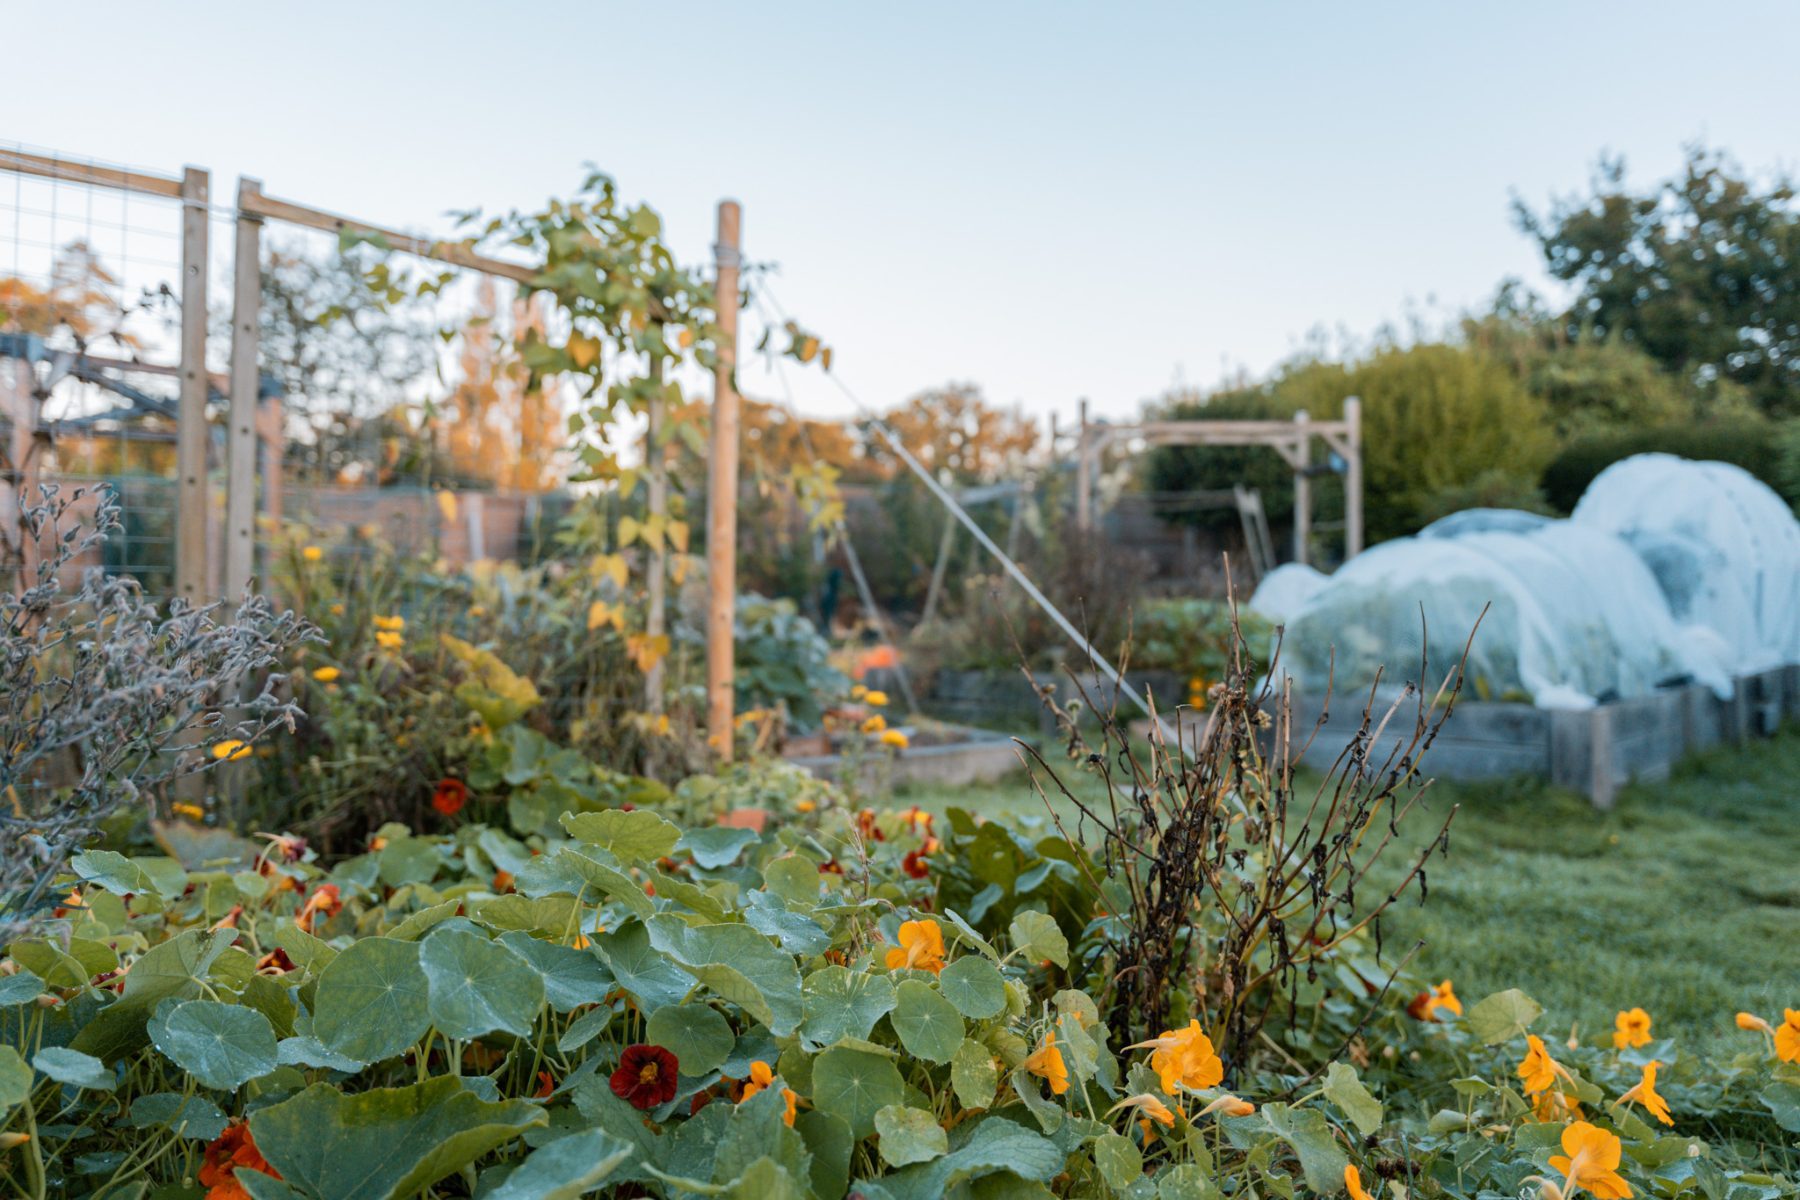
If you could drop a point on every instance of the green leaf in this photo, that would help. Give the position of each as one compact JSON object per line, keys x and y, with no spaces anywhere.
{"x":193,"y":1117}
{"x":995,"y":1145}
{"x":575,"y":873}
{"x":74,"y":1068}
{"x":112,"y":871}
{"x":177,"y":967}
{"x":1309,"y":1134}
{"x":554,"y":915}
{"x":1344,"y":1089}
{"x":223,"y":1046}
{"x":974,"y":986}
{"x":828,"y":1137}
{"x":1503,"y":1015}
{"x":795,"y":932}
{"x":636,"y":836}
{"x":372,"y":1001}
{"x":909,"y":1135}
{"x":1040,"y":937}
{"x":855,"y":1085}
{"x":311,"y":1052}
{"x":566,"y":1169}
{"x":738,"y":963}
{"x":571,"y":977}
{"x":840,"y":1003}
{"x":15,"y":1079}
{"x":698,"y":1036}
{"x":1119,"y":1161}
{"x":1783,"y":1101}
{"x":717,"y":846}
{"x":929,"y":1025}
{"x":653,"y":981}
{"x":385,"y":1143}
{"x":476,"y":986}
{"x":19,"y":989}
{"x":416,"y":925}
{"x":794,"y":879}
{"x":974,"y":1074}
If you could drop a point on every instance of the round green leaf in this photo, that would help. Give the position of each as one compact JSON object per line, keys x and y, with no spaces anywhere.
{"x":929,"y":1025}
{"x":856,"y":1084}
{"x":477,"y":986}
{"x":697,"y":1034}
{"x":74,"y":1068}
{"x":1120,"y":1162}
{"x":841,"y":1003}
{"x":566,"y":1169}
{"x":372,"y":1001}
{"x":1040,"y":937}
{"x":223,"y":1046}
{"x":974,"y":985}
{"x":15,"y":1079}
{"x":974,"y":1074}
{"x":19,"y":989}
{"x":909,"y":1135}
{"x":193,"y":1117}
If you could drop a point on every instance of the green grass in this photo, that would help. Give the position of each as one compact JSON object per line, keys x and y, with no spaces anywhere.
{"x":1685,"y":898}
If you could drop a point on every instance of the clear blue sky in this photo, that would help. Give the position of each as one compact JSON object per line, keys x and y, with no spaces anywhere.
{"x":1049,"y":199}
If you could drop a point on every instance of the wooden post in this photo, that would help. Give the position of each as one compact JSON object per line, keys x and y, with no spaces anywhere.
{"x":190,"y":435}
{"x":721,"y":493}
{"x":1302,"y":486}
{"x":934,"y":591}
{"x":1084,"y":499}
{"x":245,"y":384}
{"x":1353,"y":479}
{"x":656,"y":584}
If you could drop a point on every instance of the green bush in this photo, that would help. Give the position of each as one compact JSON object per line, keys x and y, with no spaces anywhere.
{"x":1750,"y":444}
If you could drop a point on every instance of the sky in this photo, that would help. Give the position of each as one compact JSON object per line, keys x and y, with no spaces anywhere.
{"x":1049,"y":200}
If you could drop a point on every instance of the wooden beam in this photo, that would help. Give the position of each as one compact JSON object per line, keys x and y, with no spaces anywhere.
{"x":91,"y":174}
{"x":1302,"y":487}
{"x":1353,"y":478}
{"x":656,"y":583}
{"x":721,"y":493}
{"x":246,"y":380}
{"x":190,"y":444}
{"x":1084,"y":473}
{"x":456,"y":254}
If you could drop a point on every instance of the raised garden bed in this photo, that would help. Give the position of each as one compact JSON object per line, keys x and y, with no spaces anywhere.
{"x":938,"y":753}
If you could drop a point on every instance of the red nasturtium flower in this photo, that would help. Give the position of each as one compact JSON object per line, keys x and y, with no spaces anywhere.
{"x":450,"y":796}
{"x":916,"y":864}
{"x":230,"y":1150}
{"x":325,"y":902}
{"x":646,"y":1076}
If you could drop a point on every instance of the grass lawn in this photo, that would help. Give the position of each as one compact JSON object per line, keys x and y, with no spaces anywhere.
{"x":1684,"y":899}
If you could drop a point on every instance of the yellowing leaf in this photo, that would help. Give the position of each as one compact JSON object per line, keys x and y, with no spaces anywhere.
{"x":601,"y":613}
{"x":647,"y":651}
{"x":678,"y":536}
{"x":446,"y":502}
{"x":584,"y":351}
{"x":628,"y":530}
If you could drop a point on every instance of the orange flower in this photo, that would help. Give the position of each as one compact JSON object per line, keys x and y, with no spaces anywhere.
{"x":1538,"y":1069}
{"x":1632,"y":1028}
{"x":1353,"y":1183}
{"x":1047,"y":1061}
{"x":1148,"y":1105}
{"x":503,"y":881}
{"x":895,"y":739}
{"x":874,"y":724}
{"x":915,"y":864}
{"x":229,"y":1151}
{"x":1590,"y":1159}
{"x":1424,"y":1006}
{"x":1644,"y":1093}
{"x":1753,"y":1023}
{"x":761,"y":1077}
{"x":1184,"y":1058}
{"x":325,"y":902}
{"x":867,"y":828}
{"x":921,"y":947}
{"x":1787,"y":1037}
{"x":1230,"y":1105}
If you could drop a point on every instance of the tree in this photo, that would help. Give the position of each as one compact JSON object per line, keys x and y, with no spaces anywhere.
{"x":1701,"y":271}
{"x":953,"y":429}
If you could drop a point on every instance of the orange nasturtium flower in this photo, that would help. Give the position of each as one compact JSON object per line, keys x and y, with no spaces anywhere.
{"x":1787,"y":1036}
{"x":1184,"y":1057}
{"x":875,"y":699}
{"x":875,"y":724}
{"x":1632,"y":1028}
{"x":1538,"y":1070}
{"x":921,"y":947}
{"x":326,"y":674}
{"x":1424,"y":1006}
{"x":325,"y":902}
{"x":1590,"y":1159}
{"x":894,"y":738}
{"x":1047,"y":1061}
{"x":312,"y":554}
{"x":1231,"y":1106}
{"x":1644,"y":1093}
{"x":1353,"y":1183}
{"x":1148,"y":1105}
{"x":224,"y":1155}
{"x":1753,"y":1023}
{"x":230,"y":750}
{"x":761,"y":1077}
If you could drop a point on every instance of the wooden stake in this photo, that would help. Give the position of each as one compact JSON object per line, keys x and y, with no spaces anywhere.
{"x":721,"y":493}
{"x":656,"y":585}
{"x":190,"y":435}
{"x":1084,"y":484}
{"x":1353,"y":479}
{"x":240,"y":478}
{"x":1302,"y":486}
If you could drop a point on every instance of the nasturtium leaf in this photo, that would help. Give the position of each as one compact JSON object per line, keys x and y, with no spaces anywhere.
{"x":995,"y":1145}
{"x":409,"y":860}
{"x":960,"y":930}
{"x":223,"y":1046}
{"x":1309,"y":1134}
{"x":856,"y":1085}
{"x":385,"y":1143}
{"x":974,"y":985}
{"x":54,"y":965}
{"x":417,"y":925}
{"x":570,"y":871}
{"x":176,"y":967}
{"x":571,"y":977}
{"x":372,"y":1002}
{"x":738,"y":963}
{"x":1185,"y":1181}
{"x":112,"y":871}
{"x":305,"y":950}
{"x":699,"y":900}
{"x":193,"y":1117}
{"x":974,"y":1074}
{"x":266,"y":1187}
{"x":841,"y":1003}
{"x":929,"y":1025}
{"x":15,"y":1079}
{"x":1039,"y":936}
{"x":766,"y":1179}
{"x":1783,"y":1102}
{"x":74,"y":1068}
{"x":757,"y":1130}
{"x":311,"y":1052}
{"x":909,"y":1135}
{"x":1119,"y":1160}
{"x":477,"y":986}
{"x":828,"y":1137}
{"x":1502,"y":1016}
{"x":716,"y":846}
{"x":551,"y":914}
{"x":1344,"y":1089}
{"x":584,"y":1029}
{"x":636,"y":836}
{"x":794,"y":878}
{"x":565,"y":1169}
{"x":698,"y":1036}
{"x":650,"y":977}
{"x":796,"y":933}
{"x":19,"y":989}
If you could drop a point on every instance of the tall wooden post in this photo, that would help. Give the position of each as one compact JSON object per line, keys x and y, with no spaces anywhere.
{"x":721,"y":492}
{"x":1302,"y":486}
{"x":190,"y":433}
{"x":1353,"y":479}
{"x":240,"y":478}
{"x":1084,"y":482}
{"x":656,"y":587}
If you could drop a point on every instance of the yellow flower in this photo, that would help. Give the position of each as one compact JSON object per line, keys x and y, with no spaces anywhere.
{"x":1047,"y":1061}
{"x":921,"y":947}
{"x":858,"y":692}
{"x":191,"y":811}
{"x":1184,"y":1058}
{"x":312,"y":554}
{"x":326,"y":674}
{"x":230,"y":750}
{"x":1590,"y":1159}
{"x":1632,"y":1029}
{"x":1538,"y":1069}
{"x":894,"y":738}
{"x":1353,"y":1183}
{"x":337,"y":610}
{"x":392,"y":624}
{"x":874,"y":724}
{"x":1787,"y":1037}
{"x":1644,"y":1093}
{"x":875,"y":699}
{"x":805,"y":806}
{"x":1147,"y":1104}
{"x":390,"y":641}
{"x":1753,"y":1023}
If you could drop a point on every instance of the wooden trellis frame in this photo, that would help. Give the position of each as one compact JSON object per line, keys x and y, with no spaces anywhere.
{"x":1290,"y":439}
